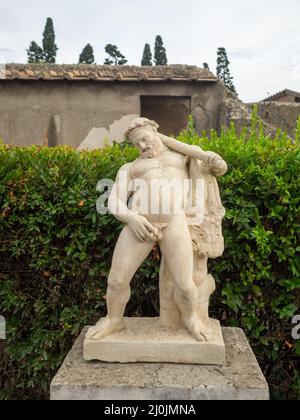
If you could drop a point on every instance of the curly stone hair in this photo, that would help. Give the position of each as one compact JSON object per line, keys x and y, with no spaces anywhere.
{"x":140,"y":123}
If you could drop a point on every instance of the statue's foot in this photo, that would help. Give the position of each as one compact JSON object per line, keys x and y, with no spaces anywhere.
{"x":104,"y":328}
{"x":210,"y":322}
{"x":200,"y":331}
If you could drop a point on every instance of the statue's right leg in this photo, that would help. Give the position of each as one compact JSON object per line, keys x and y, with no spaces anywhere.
{"x":128,"y":256}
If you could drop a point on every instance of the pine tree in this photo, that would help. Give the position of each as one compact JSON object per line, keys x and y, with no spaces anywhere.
{"x":35,"y":53}
{"x":223,"y":71}
{"x":114,"y":56}
{"x":206,"y":66}
{"x":160,"y":55}
{"x":49,"y":46}
{"x":147,"y":56}
{"x":87,"y":55}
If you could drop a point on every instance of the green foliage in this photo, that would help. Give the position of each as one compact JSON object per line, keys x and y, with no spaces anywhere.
{"x":160,"y":54}
{"x":87,"y":55}
{"x":49,"y":47}
{"x":114,"y":56}
{"x":147,"y":56}
{"x":35,"y":53}
{"x":55,"y":254}
{"x":297,"y":135}
{"x":223,"y":71}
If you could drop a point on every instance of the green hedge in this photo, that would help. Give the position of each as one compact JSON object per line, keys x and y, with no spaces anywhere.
{"x":55,"y":254}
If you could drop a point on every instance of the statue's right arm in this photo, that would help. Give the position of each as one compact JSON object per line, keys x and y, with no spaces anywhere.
{"x":118,"y":199}
{"x":117,"y":204}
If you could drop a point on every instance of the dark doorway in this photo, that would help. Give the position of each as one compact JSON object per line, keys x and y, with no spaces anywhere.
{"x":170,"y":112}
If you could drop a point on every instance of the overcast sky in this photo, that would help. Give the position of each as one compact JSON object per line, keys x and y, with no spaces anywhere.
{"x":262,"y":37}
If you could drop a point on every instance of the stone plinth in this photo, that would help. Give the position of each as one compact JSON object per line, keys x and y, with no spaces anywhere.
{"x":145,"y":340}
{"x":239,"y":379}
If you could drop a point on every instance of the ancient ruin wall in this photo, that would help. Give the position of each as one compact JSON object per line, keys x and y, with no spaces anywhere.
{"x":281,"y":115}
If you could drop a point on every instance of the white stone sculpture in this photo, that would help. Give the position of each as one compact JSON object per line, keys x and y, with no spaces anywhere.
{"x":169,"y":196}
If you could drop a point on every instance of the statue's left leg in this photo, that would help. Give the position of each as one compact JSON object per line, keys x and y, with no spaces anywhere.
{"x":176,"y":246}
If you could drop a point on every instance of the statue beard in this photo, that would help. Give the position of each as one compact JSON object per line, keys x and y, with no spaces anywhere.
{"x":153,"y":150}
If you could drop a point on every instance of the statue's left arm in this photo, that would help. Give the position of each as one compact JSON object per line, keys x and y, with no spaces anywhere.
{"x":217,"y":166}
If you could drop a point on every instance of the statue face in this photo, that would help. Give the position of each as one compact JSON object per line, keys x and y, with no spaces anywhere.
{"x":147,"y":142}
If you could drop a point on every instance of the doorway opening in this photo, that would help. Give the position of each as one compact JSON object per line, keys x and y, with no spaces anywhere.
{"x":170,"y":112}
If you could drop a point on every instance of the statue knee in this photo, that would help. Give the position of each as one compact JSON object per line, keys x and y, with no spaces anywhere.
{"x":187,"y":293}
{"x":116,"y":281}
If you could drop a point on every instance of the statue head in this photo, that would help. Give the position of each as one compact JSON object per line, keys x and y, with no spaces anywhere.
{"x":143,"y":134}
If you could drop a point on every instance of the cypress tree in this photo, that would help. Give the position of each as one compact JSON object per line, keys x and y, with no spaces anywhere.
{"x":223,"y":71}
{"x":49,"y":46}
{"x":147,"y":56}
{"x":114,"y":56}
{"x":35,"y":53}
{"x":87,"y":55}
{"x":160,"y":55}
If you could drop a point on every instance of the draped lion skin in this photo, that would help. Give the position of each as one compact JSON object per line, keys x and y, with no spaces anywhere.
{"x":186,"y":245}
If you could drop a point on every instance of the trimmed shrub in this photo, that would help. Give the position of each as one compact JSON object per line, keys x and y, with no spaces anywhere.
{"x":55,"y":255}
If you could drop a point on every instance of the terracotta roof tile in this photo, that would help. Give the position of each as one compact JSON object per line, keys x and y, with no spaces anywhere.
{"x":105,"y":73}
{"x":281,"y":94}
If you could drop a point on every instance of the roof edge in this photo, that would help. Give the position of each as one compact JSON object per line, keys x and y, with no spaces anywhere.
{"x":95,"y":72}
{"x":281,"y":93}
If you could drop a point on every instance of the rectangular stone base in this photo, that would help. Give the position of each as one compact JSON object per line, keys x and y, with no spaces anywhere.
{"x":145,"y":340}
{"x":239,"y":379}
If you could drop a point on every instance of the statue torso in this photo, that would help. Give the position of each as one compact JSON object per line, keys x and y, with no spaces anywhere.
{"x":166,"y":166}
{"x":162,"y":182}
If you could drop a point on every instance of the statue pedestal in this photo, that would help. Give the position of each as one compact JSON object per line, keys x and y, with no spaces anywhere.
{"x":239,"y":379}
{"x":145,"y":340}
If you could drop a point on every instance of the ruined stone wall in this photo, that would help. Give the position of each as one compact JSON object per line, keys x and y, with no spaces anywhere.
{"x":281,"y":115}
{"x":234,"y":110}
{"x":274,"y":115}
{"x":81,"y":112}
{"x":285,"y":99}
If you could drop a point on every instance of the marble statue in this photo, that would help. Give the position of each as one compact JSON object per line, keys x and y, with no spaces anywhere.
{"x":186,"y":242}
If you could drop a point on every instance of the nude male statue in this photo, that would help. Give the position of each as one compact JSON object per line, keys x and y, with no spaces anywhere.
{"x":160,"y":158}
